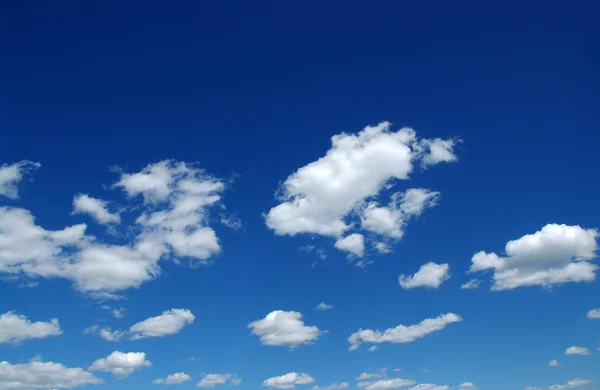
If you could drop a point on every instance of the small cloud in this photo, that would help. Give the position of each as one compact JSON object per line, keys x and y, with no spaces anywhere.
{"x":553,"y":363}
{"x":323,"y":306}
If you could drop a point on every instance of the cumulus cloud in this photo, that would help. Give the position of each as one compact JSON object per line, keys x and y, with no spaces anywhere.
{"x":401,"y":333}
{"x":174,"y":379}
{"x":467,"y":386}
{"x":431,"y":386}
{"x":555,"y":255}
{"x":577,"y":351}
{"x":168,"y":323}
{"x":392,"y":383}
{"x":116,"y":313}
{"x":174,"y":223}
{"x":211,"y":380}
{"x":471,"y":284}
{"x":284,"y":328}
{"x":553,"y":363}
{"x":594,"y":314}
{"x":430,"y":275}
{"x":106,"y":333}
{"x":43,"y":375}
{"x":15,"y":328}
{"x":288,"y":381}
{"x":323,"y":306}
{"x":569,"y":385}
{"x":96,"y":208}
{"x":11,"y":175}
{"x":333,"y":386}
{"x":120,"y":364}
{"x":354,"y":244}
{"x":340,"y":191}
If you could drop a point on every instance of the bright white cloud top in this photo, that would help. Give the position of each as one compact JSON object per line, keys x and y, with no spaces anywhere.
{"x":173,"y":379}
{"x":43,"y":375}
{"x":120,"y":364}
{"x":401,"y":333}
{"x":288,"y":381}
{"x":284,"y":328}
{"x":11,"y":175}
{"x":593,"y":314}
{"x":392,"y":383}
{"x":96,"y":208}
{"x":555,"y":255}
{"x":340,"y":191}
{"x":177,"y":198}
{"x":572,"y":384}
{"x":577,"y":351}
{"x":168,"y":323}
{"x":212,"y":380}
{"x":16,"y":328}
{"x":471,"y":284}
{"x":430,"y":275}
{"x":431,"y":386}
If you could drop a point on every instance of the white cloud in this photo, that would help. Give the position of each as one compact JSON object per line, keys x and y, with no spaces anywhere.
{"x":11,"y":175}
{"x":15,"y":328}
{"x":354,"y":243}
{"x":168,"y":323}
{"x":333,"y":386}
{"x":577,"y":351}
{"x":429,"y":275}
{"x":401,"y":333}
{"x":467,"y":386}
{"x":382,"y":247}
{"x":284,"y":328}
{"x":323,"y":306}
{"x":116,"y":313}
{"x":553,"y":363}
{"x":328,"y":196}
{"x":211,"y":380}
{"x":372,"y":348}
{"x":43,"y":375}
{"x":121,"y":364}
{"x":569,"y":385}
{"x":96,"y":208}
{"x":395,"y":383}
{"x":366,"y":376}
{"x":174,"y":379}
{"x":594,"y":314}
{"x":555,"y":255}
{"x":288,"y":381}
{"x":430,"y":386}
{"x":174,"y":222}
{"x":471,"y":284}
{"x":106,"y":333}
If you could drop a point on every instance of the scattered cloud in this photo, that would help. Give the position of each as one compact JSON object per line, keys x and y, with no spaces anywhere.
{"x":174,"y":379}
{"x":553,"y":363}
{"x":15,"y":328}
{"x":401,"y":333}
{"x":372,"y":348}
{"x":393,"y":383}
{"x":471,"y":284}
{"x":430,"y":386}
{"x":467,"y":386}
{"x":96,"y":208}
{"x":116,"y":313}
{"x":120,"y":364}
{"x":569,"y":385}
{"x":323,"y":306}
{"x":555,"y":255}
{"x":382,"y":247}
{"x":577,"y":351}
{"x":430,"y":275}
{"x":11,"y":175}
{"x":174,"y":222}
{"x":43,"y":375}
{"x":211,"y":380}
{"x":288,"y":381}
{"x":168,"y":323}
{"x":354,"y":244}
{"x":340,"y":191}
{"x":333,"y":386}
{"x":367,"y":376}
{"x":284,"y":328}
{"x":594,"y":314}
{"x":106,"y":333}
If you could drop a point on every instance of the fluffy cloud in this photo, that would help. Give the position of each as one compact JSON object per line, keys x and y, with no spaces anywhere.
{"x":173,"y":223}
{"x":467,"y":386}
{"x":174,"y":379}
{"x":569,"y":385}
{"x":335,"y":193}
{"x":106,"y":333}
{"x":430,"y":386}
{"x":577,"y":351}
{"x":429,"y":275}
{"x":121,"y":364}
{"x":288,"y":381}
{"x":553,"y":363}
{"x":15,"y":328}
{"x":555,"y":255}
{"x":116,"y":313}
{"x":594,"y":314}
{"x":323,"y":306}
{"x":394,"y":383}
{"x":96,"y":208}
{"x":354,"y":243}
{"x":43,"y":375}
{"x":11,"y":175}
{"x":333,"y":386}
{"x":211,"y":380}
{"x":366,"y":376}
{"x":284,"y":328}
{"x":471,"y":284}
{"x":401,"y":333}
{"x":168,"y":323}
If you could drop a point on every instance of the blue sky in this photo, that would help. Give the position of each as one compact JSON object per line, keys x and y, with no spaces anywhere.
{"x":181,"y":186}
